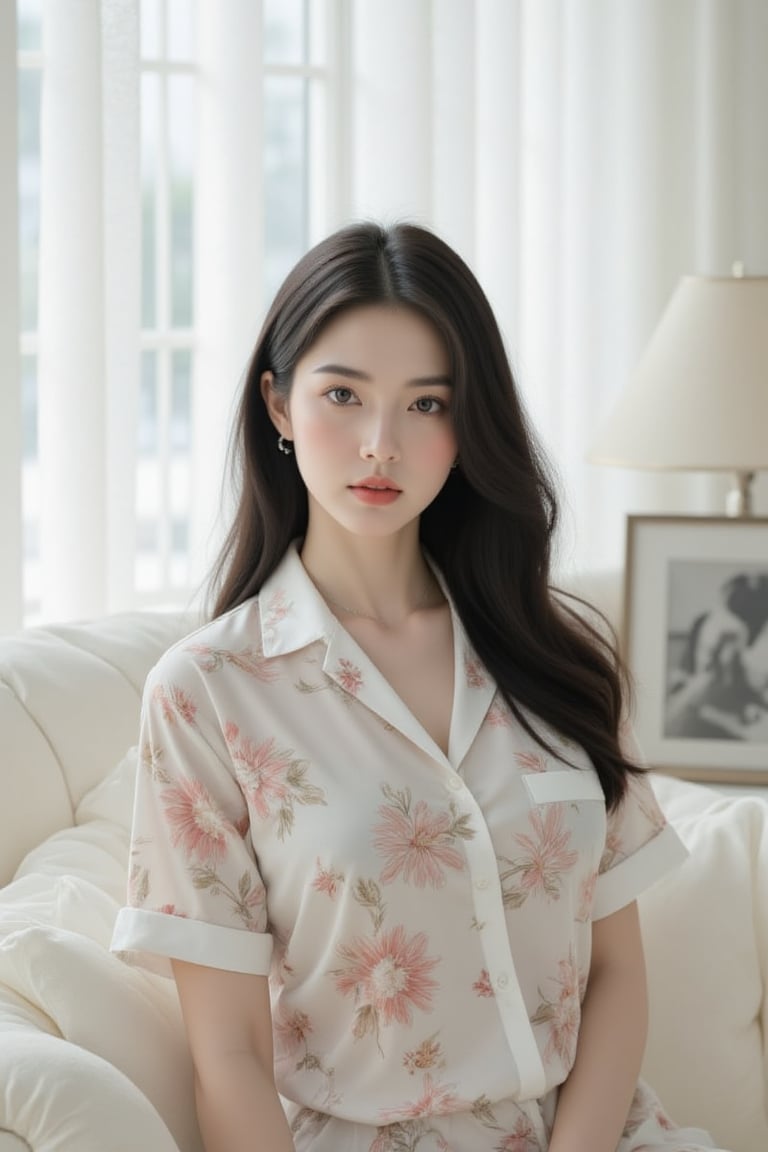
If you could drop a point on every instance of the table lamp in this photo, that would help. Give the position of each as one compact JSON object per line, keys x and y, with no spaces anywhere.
{"x":698,"y":400}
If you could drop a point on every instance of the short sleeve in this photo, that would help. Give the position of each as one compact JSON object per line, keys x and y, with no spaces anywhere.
{"x":194,"y":889}
{"x":640,"y":845}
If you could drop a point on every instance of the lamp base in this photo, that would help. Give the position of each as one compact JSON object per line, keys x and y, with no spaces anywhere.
{"x":738,"y":502}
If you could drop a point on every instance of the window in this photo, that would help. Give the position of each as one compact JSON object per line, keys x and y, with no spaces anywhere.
{"x":169,"y":80}
{"x":30,"y":81}
{"x":298,"y":205}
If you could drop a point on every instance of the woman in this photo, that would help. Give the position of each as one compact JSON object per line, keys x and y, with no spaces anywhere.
{"x":388,"y":776}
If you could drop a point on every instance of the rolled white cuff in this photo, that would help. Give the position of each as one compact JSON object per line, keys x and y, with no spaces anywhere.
{"x":626,"y":881}
{"x":151,"y":939}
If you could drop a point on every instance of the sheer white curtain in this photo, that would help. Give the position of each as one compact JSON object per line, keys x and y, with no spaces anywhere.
{"x":10,"y":361}
{"x":89,"y":306}
{"x":581,"y":156}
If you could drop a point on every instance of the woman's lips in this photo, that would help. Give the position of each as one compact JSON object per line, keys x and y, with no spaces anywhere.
{"x":375,"y":494}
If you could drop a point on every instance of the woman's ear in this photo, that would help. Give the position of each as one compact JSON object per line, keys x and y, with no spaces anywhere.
{"x":277,"y":405}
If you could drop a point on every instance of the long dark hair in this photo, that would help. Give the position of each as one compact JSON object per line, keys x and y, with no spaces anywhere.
{"x":490,"y":529}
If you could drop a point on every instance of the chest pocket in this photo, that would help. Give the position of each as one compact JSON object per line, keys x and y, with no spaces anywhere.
{"x":570,"y":784}
{"x":568,"y":818}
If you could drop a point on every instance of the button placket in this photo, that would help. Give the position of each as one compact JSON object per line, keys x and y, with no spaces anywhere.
{"x":491,"y":919}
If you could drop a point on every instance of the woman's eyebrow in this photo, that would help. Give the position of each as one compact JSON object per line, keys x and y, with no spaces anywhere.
{"x":357,"y":374}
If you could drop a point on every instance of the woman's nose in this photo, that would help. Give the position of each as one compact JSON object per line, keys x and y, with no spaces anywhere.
{"x":380,"y":441}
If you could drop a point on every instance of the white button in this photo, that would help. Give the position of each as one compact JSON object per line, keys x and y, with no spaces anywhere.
{"x":482,"y":882}
{"x":502,"y":980}
{"x":455,"y":783}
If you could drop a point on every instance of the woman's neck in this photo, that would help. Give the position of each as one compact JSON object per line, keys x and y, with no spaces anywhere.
{"x":384,"y":579}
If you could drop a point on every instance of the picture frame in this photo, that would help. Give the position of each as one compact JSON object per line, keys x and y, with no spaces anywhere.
{"x":695,"y":640}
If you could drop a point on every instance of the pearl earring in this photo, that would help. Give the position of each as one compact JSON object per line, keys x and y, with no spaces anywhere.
{"x":284,"y":447}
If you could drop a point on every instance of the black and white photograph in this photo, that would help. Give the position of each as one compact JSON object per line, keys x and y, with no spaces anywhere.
{"x":717,"y":652}
{"x":695,"y":642}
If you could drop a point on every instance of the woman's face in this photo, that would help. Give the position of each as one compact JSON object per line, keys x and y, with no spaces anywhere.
{"x":369,"y":414}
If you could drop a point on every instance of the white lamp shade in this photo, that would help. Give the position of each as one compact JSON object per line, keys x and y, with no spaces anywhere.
{"x":699,"y":397}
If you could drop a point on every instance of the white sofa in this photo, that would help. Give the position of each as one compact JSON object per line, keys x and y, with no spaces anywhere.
{"x":92,"y":1053}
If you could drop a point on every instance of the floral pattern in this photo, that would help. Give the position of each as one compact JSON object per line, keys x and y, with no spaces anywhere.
{"x":388,"y":977}
{"x":395,"y":901}
{"x":499,"y":715}
{"x":532,"y":761}
{"x":417,"y":842}
{"x":292,"y":1032}
{"x":347,"y":681}
{"x":474,"y":672}
{"x":586,"y":897}
{"x":562,"y":1013}
{"x":273,"y":779}
{"x":250,"y":660}
{"x":194,"y":821}
{"x":176,"y":704}
{"x":328,"y":881}
{"x":350,"y":677}
{"x":428,"y":1055}
{"x":482,"y":986}
{"x":521,"y":1139}
{"x":547,"y":858}
{"x":435,"y":1098}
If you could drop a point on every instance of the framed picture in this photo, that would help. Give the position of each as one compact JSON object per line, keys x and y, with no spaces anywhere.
{"x":695,"y":638}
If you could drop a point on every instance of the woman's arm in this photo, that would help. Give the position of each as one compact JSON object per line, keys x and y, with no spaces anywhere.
{"x":594,"y":1101}
{"x":229,"y":1028}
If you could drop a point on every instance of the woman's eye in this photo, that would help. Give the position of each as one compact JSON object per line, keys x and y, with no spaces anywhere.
{"x":428,"y":404}
{"x":341,"y":395}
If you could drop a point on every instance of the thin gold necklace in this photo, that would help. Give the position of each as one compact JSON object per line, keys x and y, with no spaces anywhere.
{"x":422,"y":603}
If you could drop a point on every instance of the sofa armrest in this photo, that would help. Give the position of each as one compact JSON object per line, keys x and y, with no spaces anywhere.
{"x":56,"y":1095}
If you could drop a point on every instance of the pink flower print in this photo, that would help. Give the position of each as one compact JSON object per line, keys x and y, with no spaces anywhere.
{"x":171,"y":910}
{"x":350,"y":676}
{"x":261,"y":771}
{"x":586,"y":897}
{"x":417,"y":843}
{"x":327,"y":881}
{"x":138,"y":885}
{"x":564,"y":1031}
{"x":612,"y":851}
{"x":498,"y":715}
{"x":562,"y":1015}
{"x":389,"y":976}
{"x":278,"y":607}
{"x":249,"y":660}
{"x":569,"y":978}
{"x":483,"y":986}
{"x":521,"y":1139}
{"x":291,"y":1030}
{"x":474,"y":671}
{"x":428,"y":1055}
{"x":436,"y":1099}
{"x":195,"y":822}
{"x":175,"y":703}
{"x":531,"y":761}
{"x":271,"y":778}
{"x":548,"y":855}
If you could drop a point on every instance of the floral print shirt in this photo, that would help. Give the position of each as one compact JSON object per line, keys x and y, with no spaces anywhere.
{"x":425,"y":920}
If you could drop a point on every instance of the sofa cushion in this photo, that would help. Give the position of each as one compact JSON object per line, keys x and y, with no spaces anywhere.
{"x":56,"y":1097}
{"x":705,"y":928}
{"x":69,"y":706}
{"x":128,"y":1019}
{"x":56,"y":922}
